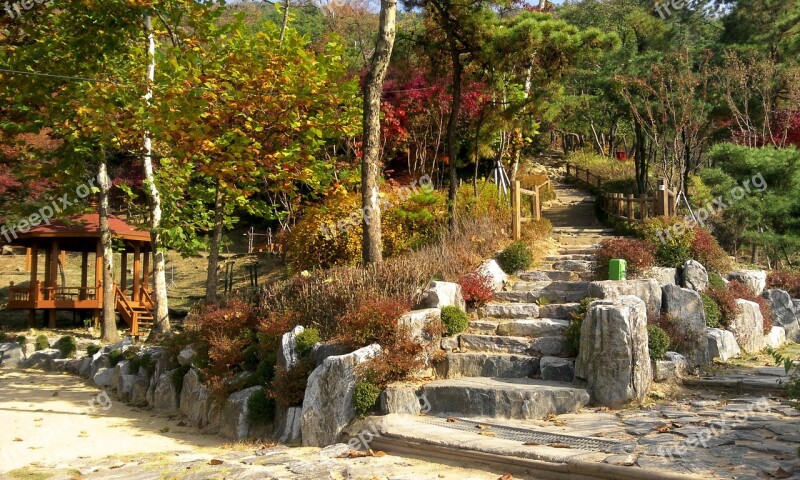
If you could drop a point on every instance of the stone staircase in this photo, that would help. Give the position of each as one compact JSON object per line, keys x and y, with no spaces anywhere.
{"x":512,"y":362}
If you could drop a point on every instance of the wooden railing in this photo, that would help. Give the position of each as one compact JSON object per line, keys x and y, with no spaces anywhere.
{"x":147,"y":299}
{"x":37,"y":292}
{"x":629,"y":207}
{"x":516,"y":206}
{"x":123,"y":307}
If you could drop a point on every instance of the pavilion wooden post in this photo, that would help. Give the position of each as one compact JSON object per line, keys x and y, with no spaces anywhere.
{"x":137,"y":295}
{"x":34,"y":287}
{"x":84,"y":273}
{"x":28,"y":259}
{"x":53,"y":267}
{"x":146,"y":271}
{"x":123,"y":271}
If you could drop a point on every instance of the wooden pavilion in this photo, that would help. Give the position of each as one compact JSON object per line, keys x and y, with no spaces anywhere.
{"x":81,"y":234}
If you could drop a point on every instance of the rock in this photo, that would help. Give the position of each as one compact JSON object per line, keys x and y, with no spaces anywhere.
{"x":141,"y":386}
{"x":784,"y":312}
{"x":665,"y":275}
{"x":186,"y":356}
{"x":235,"y":421}
{"x":195,"y":399}
{"x":509,"y":310}
{"x":483,"y":327}
{"x":755,"y":279}
{"x":287,"y":354}
{"x":614,"y":359}
{"x":536,"y":327}
{"x":748,"y":326}
{"x":287,"y":430}
{"x":563,"y":311}
{"x":675,"y":357}
{"x":648,"y":290}
{"x":321,"y":351}
{"x":775,"y":338}
{"x":99,"y":360}
{"x":449,"y":343}
{"x":165,"y":396}
{"x":74,"y":366}
{"x":59,"y":364}
{"x":547,"y":346}
{"x":103,"y":377}
{"x":399,"y":399}
{"x":694,"y":275}
{"x":685,"y":306}
{"x":328,"y":403}
{"x":457,"y":365}
{"x":42,"y":359}
{"x":120,"y":370}
{"x":492,"y":271}
{"x":85,"y":368}
{"x":122,"y":345}
{"x":668,"y":371}
{"x":443,"y":294}
{"x":11,"y":355}
{"x":557,"y":369}
{"x":416,"y":321}
{"x":721,"y":344}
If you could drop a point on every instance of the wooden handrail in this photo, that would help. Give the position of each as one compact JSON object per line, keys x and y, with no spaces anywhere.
{"x":121,"y":300}
{"x":516,"y":206}
{"x":146,"y":297}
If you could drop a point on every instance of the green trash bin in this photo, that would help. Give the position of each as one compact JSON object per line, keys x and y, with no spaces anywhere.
{"x":617,"y":269}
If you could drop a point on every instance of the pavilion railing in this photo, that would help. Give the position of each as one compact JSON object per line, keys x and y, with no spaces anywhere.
{"x":39,"y":292}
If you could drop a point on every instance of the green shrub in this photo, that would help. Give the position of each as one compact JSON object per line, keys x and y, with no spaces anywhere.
{"x":250,"y":359}
{"x":792,"y":369}
{"x":638,"y":254}
{"x":142,"y":361}
{"x":716,"y":281}
{"x":261,"y":408}
{"x":306,"y":340}
{"x":672,"y":248}
{"x":572,"y":334}
{"x":515,"y":257}
{"x":713,"y":312}
{"x":115,"y":356}
{"x":365,"y":397}
{"x":92,"y":349}
{"x":67,"y":345}
{"x":41,"y":343}
{"x":454,"y":319}
{"x":177,"y":377}
{"x":657,"y":341}
{"x":265,"y":371}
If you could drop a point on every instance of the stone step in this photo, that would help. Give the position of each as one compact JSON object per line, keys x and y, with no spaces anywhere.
{"x":457,"y":365}
{"x":554,"y":292}
{"x":570,"y":256}
{"x":548,"y":275}
{"x":483,"y":327}
{"x":534,"y":327}
{"x":559,"y":310}
{"x":578,"y":250}
{"x":596,"y":231}
{"x":574,"y":265}
{"x":507,"y":310}
{"x":540,"y":346}
{"x":517,"y":398}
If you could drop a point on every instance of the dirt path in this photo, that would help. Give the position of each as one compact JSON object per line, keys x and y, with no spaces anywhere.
{"x":57,"y":426}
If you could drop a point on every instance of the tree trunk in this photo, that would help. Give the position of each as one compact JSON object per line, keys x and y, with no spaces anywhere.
{"x":108,"y":323}
{"x":213,"y":254}
{"x":370,"y":168}
{"x":285,"y":20}
{"x":452,"y":124}
{"x":641,"y":159}
{"x":161,"y":320}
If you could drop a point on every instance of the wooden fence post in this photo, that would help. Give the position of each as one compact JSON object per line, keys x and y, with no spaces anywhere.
{"x":537,"y":211}
{"x":516,"y":220}
{"x":631,"y":212}
{"x":643,"y":205}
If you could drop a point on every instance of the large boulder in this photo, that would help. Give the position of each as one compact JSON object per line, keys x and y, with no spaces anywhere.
{"x":328,"y":403}
{"x":748,"y":326}
{"x":784,"y":312}
{"x":400,"y":398}
{"x":416,"y":321}
{"x":235,"y":420}
{"x":195,"y":399}
{"x":557,"y":369}
{"x":104,"y":377}
{"x":492,"y":271}
{"x":614,"y":359}
{"x":685,"y":307}
{"x":121,"y":370}
{"x":694,"y":275}
{"x":443,"y":294}
{"x":165,"y":397}
{"x":287,"y":428}
{"x":665,"y":275}
{"x":11,"y":355}
{"x":755,"y":279}
{"x":648,"y":290}
{"x":721,"y":344}
{"x":287,"y":354}
{"x":186,"y":356}
{"x":43,"y":359}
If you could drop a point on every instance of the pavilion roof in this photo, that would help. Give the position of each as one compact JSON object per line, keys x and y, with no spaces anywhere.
{"x":82,"y":226}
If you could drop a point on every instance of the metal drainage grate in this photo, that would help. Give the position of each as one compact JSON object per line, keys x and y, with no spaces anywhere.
{"x":524,"y":435}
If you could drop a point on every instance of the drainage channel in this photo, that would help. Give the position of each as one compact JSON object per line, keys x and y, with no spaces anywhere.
{"x":527,"y":436}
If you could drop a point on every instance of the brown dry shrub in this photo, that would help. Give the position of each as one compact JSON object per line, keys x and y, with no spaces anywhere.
{"x":726,"y":302}
{"x":395,"y":362}
{"x":371,"y":320}
{"x":740,"y":290}
{"x":682,"y":340}
{"x":288,"y":388}
{"x":785,"y":280}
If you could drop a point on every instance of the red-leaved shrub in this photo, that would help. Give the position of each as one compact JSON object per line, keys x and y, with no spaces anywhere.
{"x":476,"y":289}
{"x":785,"y":280}
{"x":395,"y":362}
{"x":639,"y":254}
{"x":726,"y":303}
{"x":707,"y":251}
{"x":740,"y":290}
{"x":372,"y":320}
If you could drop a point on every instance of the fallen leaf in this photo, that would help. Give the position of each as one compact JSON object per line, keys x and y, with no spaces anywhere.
{"x":17,"y":439}
{"x":531,"y":443}
{"x":559,"y":423}
{"x":676,"y":425}
{"x":506,"y":476}
{"x":215,"y":462}
{"x":598,"y":434}
{"x":558,"y":445}
{"x":55,"y":394}
{"x":452,"y":420}
{"x":379,"y":453}
{"x":487,"y":434}
{"x":602,"y":409}
{"x":550,"y":417}
{"x":482,"y":427}
{"x":783,"y":456}
{"x":662,"y":428}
